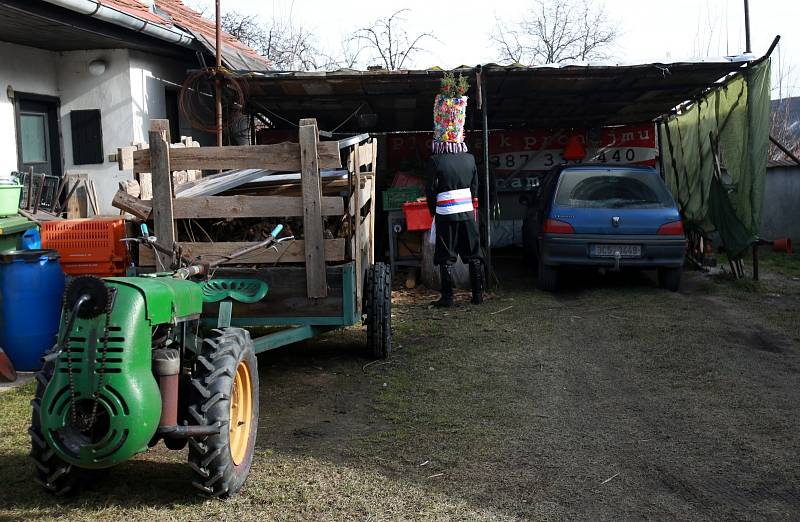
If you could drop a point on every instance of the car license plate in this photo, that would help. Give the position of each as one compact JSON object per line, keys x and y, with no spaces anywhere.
{"x":613,"y":250}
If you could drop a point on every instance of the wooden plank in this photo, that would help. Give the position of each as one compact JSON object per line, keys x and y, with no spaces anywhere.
{"x":313,"y":227}
{"x":146,"y":185}
{"x":77,"y":200}
{"x":163,"y":221}
{"x":132,"y":205}
{"x":160,"y":126}
{"x":203,"y":207}
{"x":288,"y":252}
{"x":282,"y":156}
{"x":124,"y":158}
{"x":250,"y":206}
{"x":365,"y":156}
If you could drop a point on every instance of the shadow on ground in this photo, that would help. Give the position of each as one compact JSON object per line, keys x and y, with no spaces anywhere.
{"x":612,"y":399}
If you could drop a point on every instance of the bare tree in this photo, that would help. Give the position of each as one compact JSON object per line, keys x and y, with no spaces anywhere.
{"x":785,"y":115}
{"x":347,"y":58}
{"x":556,"y":31}
{"x":289,"y":46}
{"x":389,"y":40}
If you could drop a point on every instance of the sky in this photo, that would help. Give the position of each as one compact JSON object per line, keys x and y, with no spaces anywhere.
{"x":650,"y":30}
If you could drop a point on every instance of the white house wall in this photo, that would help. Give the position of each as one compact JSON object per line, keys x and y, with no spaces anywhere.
{"x":150,"y":79}
{"x":26,"y":70}
{"x":128,"y":94}
{"x":109,"y":92}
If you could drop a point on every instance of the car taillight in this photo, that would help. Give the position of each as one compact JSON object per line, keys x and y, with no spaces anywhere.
{"x":554,"y":226}
{"x":674,"y":228}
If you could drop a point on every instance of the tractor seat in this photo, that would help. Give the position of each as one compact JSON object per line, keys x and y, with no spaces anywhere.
{"x":241,"y":290}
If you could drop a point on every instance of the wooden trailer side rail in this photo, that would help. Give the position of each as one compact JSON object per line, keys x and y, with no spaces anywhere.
{"x":308,"y":156}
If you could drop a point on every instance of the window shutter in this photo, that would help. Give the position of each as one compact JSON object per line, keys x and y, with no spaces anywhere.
{"x":87,"y":137}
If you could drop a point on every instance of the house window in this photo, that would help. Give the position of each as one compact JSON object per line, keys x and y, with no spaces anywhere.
{"x":87,"y":137}
{"x":33,"y":134}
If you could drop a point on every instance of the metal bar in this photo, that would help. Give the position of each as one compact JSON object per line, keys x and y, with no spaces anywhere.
{"x":248,"y":322}
{"x":225,"y":313}
{"x":217,"y":81}
{"x":352,"y":140}
{"x":288,"y":336}
{"x":486,"y":191}
{"x":747,"y":47}
{"x":349,"y":306}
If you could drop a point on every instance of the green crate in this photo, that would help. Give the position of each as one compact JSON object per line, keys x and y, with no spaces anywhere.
{"x":393,"y":198}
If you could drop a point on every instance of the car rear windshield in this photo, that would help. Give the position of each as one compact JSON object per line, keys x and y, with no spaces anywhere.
{"x":612,"y":189}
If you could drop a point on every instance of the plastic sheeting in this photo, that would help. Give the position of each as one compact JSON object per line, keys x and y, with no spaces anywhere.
{"x":715,"y":158}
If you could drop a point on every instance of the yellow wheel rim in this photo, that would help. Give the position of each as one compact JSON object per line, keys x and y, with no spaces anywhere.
{"x":241,"y":413}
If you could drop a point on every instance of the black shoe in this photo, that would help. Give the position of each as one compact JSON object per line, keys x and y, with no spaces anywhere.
{"x":447,"y":287}
{"x":476,"y":281}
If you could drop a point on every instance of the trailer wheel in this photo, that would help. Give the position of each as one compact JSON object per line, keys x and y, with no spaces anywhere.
{"x":225,"y":393}
{"x":378,"y":308}
{"x":53,"y":473}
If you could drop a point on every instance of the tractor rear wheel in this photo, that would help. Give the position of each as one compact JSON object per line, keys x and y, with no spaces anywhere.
{"x":53,"y":473}
{"x":378,"y":308}
{"x":225,"y":393}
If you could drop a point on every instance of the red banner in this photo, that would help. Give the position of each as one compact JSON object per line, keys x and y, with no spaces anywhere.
{"x":519,"y":157}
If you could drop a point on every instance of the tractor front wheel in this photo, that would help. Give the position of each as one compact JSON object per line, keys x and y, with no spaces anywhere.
{"x":225,"y":393}
{"x":53,"y":473}
{"x":378,"y":309}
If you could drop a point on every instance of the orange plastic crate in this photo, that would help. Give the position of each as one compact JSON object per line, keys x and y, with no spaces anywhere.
{"x":88,"y":246}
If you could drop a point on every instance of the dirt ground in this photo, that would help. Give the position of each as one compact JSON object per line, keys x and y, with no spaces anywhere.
{"x":612,"y":400}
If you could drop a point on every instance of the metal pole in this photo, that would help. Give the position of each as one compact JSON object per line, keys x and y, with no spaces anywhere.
{"x":217,"y":82}
{"x":487,"y":210}
{"x":747,"y":47}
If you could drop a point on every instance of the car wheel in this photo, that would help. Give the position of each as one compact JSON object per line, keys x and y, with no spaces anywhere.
{"x":547,"y":277}
{"x":670,"y":278}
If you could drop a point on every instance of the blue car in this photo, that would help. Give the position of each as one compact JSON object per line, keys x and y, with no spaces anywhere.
{"x":607,"y":217}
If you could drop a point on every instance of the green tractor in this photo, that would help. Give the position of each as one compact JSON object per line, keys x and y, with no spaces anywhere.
{"x":130,"y":369}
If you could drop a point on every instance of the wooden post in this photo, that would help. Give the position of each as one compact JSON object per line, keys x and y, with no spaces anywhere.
{"x":316,"y":284}
{"x":163,"y":222}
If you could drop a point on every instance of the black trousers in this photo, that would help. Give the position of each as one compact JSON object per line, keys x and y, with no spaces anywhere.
{"x":456,"y":239}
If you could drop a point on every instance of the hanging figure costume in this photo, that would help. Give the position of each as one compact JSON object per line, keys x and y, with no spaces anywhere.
{"x":451,"y":185}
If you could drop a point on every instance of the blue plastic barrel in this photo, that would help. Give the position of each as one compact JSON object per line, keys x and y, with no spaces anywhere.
{"x":31,"y":239}
{"x":31,"y":285}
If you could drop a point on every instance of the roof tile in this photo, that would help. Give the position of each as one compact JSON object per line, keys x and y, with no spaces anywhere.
{"x":182,"y":17}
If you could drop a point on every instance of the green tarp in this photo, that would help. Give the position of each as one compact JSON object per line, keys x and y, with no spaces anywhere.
{"x":715,"y":158}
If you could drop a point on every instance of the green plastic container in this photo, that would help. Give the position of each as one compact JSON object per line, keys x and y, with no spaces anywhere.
{"x":9,"y":199}
{"x":393,"y":198}
{"x":11,"y":230}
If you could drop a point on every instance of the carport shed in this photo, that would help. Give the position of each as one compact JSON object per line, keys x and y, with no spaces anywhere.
{"x":556,"y":98}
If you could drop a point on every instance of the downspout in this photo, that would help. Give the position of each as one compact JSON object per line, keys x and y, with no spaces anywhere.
{"x":95,"y":9}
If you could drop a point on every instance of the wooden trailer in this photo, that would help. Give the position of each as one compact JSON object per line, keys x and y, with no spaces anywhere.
{"x":318,"y":283}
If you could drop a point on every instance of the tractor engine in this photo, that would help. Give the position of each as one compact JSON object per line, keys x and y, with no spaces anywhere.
{"x":103,"y":403}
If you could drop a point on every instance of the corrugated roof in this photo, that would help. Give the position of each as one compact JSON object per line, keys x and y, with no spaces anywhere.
{"x":517,"y":96}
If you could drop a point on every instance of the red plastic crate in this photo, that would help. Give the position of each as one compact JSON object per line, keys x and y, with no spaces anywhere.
{"x":419,"y":218}
{"x":90,"y":246}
